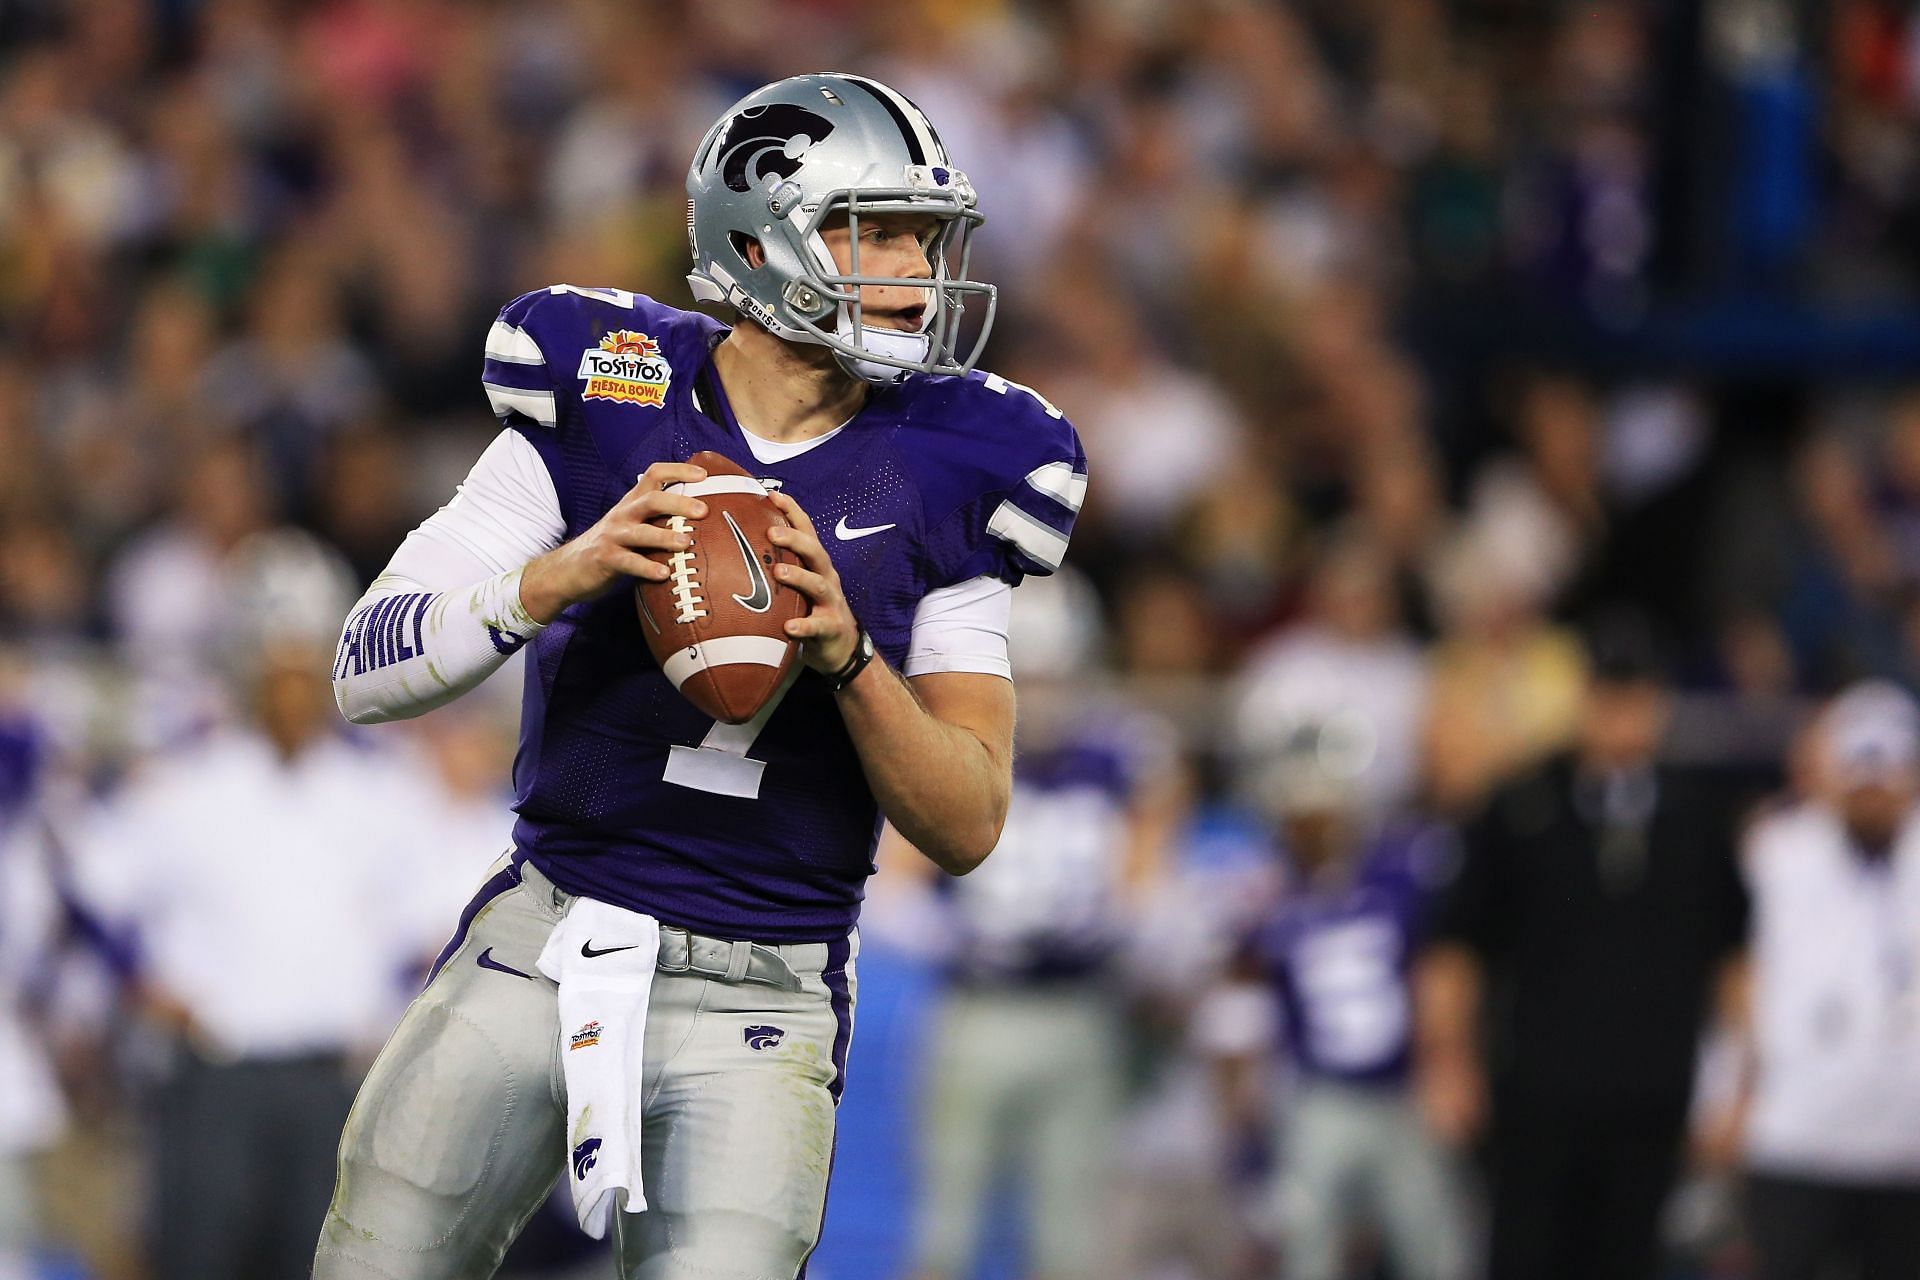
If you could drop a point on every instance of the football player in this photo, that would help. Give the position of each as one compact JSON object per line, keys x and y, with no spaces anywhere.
{"x":1336,"y":952}
{"x":1025,"y":1079}
{"x":824,"y":211}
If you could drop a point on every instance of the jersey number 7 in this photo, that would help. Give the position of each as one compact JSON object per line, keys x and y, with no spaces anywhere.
{"x":720,"y":763}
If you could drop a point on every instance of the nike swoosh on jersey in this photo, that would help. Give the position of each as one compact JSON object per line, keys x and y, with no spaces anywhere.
{"x":486,"y":961}
{"x":762,"y":598}
{"x":846,"y":534}
{"x":588,"y":950}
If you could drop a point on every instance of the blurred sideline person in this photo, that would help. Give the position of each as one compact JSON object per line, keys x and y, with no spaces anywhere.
{"x":1334,"y":957}
{"x":1350,"y":658}
{"x":32,"y":1113}
{"x":1592,"y":918}
{"x":1027,"y":1050}
{"x":267,"y":875}
{"x":1831,"y":1132}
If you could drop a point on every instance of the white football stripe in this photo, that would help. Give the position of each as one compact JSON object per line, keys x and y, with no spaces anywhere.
{"x":719,"y":484}
{"x":724,"y":651}
{"x":537,"y":405}
{"x":1059,"y":481}
{"x":509,"y":345}
{"x":1042,"y":544}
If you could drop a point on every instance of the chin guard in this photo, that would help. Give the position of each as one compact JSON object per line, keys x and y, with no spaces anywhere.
{"x":910,"y":349}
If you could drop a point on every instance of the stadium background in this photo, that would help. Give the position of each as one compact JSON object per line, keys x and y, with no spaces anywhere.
{"x":1430,"y":324}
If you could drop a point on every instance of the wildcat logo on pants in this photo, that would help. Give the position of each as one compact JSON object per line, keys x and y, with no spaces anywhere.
{"x":762,"y":1038}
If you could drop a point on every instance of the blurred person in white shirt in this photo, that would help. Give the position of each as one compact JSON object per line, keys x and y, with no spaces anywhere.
{"x":274,"y":877}
{"x":1828,"y":1124}
{"x":1350,"y":666}
{"x":165,"y":590}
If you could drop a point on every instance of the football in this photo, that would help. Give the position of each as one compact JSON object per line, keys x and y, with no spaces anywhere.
{"x":717,"y":625}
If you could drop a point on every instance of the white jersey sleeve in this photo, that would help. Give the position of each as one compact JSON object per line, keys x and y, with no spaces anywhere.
{"x":962,"y":628}
{"x":446,"y":613}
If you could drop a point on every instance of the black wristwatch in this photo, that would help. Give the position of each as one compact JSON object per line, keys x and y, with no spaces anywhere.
{"x":862,"y":654}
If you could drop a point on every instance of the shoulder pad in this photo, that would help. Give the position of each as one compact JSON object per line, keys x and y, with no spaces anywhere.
{"x":1006,"y":457}
{"x":536,"y":345}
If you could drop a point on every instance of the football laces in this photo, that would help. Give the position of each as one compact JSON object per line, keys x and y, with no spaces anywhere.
{"x":688,"y":603}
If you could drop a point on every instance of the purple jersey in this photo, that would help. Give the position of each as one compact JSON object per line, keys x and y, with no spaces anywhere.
{"x":625,"y":791}
{"x":1340,"y":955}
{"x":1046,"y":906}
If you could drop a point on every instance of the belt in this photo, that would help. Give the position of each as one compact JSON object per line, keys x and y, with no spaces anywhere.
{"x":683,"y":952}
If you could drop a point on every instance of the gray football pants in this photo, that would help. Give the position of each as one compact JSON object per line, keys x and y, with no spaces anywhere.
{"x":459,"y":1129}
{"x":1353,"y":1155}
{"x":1025,"y":1085}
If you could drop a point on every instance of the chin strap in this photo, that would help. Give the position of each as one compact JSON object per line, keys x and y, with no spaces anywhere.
{"x":886,"y":342}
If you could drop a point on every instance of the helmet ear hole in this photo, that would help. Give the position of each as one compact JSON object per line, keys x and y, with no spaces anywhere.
{"x":748,"y":248}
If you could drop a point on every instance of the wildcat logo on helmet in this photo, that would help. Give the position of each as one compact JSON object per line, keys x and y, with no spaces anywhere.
{"x":626,"y":368}
{"x":767,"y":140}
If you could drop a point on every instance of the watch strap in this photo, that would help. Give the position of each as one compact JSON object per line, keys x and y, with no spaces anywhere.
{"x":863,"y":653}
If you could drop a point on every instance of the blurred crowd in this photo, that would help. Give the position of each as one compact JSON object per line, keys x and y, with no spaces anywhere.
{"x":1414,"y":344}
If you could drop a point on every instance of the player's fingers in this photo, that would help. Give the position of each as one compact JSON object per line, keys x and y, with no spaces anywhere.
{"x":810,"y":627}
{"x":656,"y":503}
{"x":635,"y":565}
{"x":792,"y":511}
{"x":802,"y":543}
{"x":662,"y":474}
{"x":811,"y":585}
{"x":646,"y":536}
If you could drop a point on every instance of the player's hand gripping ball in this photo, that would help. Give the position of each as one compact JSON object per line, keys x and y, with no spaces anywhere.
{"x":717,"y":625}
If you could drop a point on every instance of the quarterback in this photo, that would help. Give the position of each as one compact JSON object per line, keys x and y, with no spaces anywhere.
{"x":652,"y":994}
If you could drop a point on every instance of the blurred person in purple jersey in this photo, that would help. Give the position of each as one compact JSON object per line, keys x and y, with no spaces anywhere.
{"x":1024,"y":1074}
{"x":32,"y":1112}
{"x":1827,"y":1118}
{"x":652,"y":995}
{"x":1332,"y":963}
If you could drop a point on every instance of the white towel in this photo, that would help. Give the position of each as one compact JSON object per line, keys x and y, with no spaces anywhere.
{"x":603,"y":957}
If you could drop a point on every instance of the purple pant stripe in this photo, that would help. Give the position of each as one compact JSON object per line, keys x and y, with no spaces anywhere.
{"x":835,"y":976}
{"x":497,"y":884}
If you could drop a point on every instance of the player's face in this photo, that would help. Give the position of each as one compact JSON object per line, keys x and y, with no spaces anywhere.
{"x":1623,"y":722}
{"x":1317,"y":838}
{"x":1874,"y":810}
{"x":293,"y":704}
{"x":891,"y":244}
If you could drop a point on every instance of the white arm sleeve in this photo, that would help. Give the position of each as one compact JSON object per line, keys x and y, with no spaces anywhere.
{"x":446,"y":612}
{"x":962,"y":628}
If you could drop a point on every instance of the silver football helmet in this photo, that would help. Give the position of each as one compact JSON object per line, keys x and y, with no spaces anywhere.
{"x":787,"y":157}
